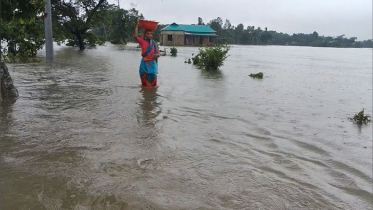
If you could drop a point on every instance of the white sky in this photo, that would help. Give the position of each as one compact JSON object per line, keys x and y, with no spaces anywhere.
{"x":328,"y":17}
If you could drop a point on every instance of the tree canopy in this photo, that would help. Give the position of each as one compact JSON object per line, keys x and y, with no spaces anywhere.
{"x":119,"y":25}
{"x":22,"y":29}
{"x":73,"y":18}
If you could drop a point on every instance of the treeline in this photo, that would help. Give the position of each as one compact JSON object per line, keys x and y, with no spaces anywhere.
{"x":93,"y":22}
{"x":252,"y":35}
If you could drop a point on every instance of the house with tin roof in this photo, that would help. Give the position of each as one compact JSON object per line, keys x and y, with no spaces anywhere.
{"x":187,"y":35}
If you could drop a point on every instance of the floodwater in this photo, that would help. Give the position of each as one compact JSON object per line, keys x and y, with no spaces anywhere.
{"x":85,"y":135}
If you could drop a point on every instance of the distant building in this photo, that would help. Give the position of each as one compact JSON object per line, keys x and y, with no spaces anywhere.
{"x":187,"y":35}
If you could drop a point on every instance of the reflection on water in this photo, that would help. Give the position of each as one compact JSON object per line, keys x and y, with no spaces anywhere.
{"x":84,"y":135}
{"x":150,"y":106}
{"x":212,"y":74}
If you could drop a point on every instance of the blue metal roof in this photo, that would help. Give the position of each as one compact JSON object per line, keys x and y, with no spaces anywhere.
{"x":172,"y":27}
{"x":203,"y":34}
{"x":189,"y":28}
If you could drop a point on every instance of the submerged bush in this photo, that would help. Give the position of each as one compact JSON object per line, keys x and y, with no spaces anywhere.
{"x":361,"y":118}
{"x":195,"y":59}
{"x":173,"y":51}
{"x":116,"y":41}
{"x":211,"y":57}
{"x":24,"y":57}
{"x":258,"y":75}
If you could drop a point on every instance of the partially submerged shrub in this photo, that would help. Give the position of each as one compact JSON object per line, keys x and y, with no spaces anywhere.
{"x":188,"y":61}
{"x":25,"y":57}
{"x":173,"y":51}
{"x":163,"y":52}
{"x":195,"y":59}
{"x":258,"y":75}
{"x":101,"y":40}
{"x":117,"y":41}
{"x":361,"y":118}
{"x":211,"y":57}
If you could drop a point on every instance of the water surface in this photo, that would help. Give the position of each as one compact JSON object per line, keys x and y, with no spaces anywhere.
{"x":85,"y":135}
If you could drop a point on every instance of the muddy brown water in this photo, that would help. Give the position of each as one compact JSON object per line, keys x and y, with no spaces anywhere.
{"x":85,"y":135}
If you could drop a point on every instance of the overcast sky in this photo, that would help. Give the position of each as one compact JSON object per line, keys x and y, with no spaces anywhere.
{"x":328,"y":17}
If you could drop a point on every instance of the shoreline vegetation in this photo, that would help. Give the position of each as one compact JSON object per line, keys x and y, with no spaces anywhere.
{"x":23,"y":34}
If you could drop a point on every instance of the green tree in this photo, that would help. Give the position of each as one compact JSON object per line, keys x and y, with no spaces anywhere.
{"x":123,"y":24}
{"x":74,"y":18}
{"x":367,"y":43}
{"x":315,"y":35}
{"x":131,"y":17}
{"x":22,"y":27}
{"x":239,"y":33}
{"x":200,"y":21}
{"x":119,"y":25}
{"x":265,"y":37}
{"x":117,"y":32}
{"x":216,"y":25}
{"x":227,"y":25}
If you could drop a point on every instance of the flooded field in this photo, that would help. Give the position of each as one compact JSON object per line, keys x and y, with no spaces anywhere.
{"x":85,"y":135}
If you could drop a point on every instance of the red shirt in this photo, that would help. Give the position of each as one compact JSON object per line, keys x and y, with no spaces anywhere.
{"x":144,"y":46}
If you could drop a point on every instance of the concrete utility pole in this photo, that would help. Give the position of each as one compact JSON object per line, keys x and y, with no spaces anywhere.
{"x":48,"y":31}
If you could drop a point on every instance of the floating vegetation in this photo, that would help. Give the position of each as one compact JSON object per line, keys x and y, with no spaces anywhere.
{"x":188,"y":61}
{"x":258,"y":75}
{"x":360,"y":118}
